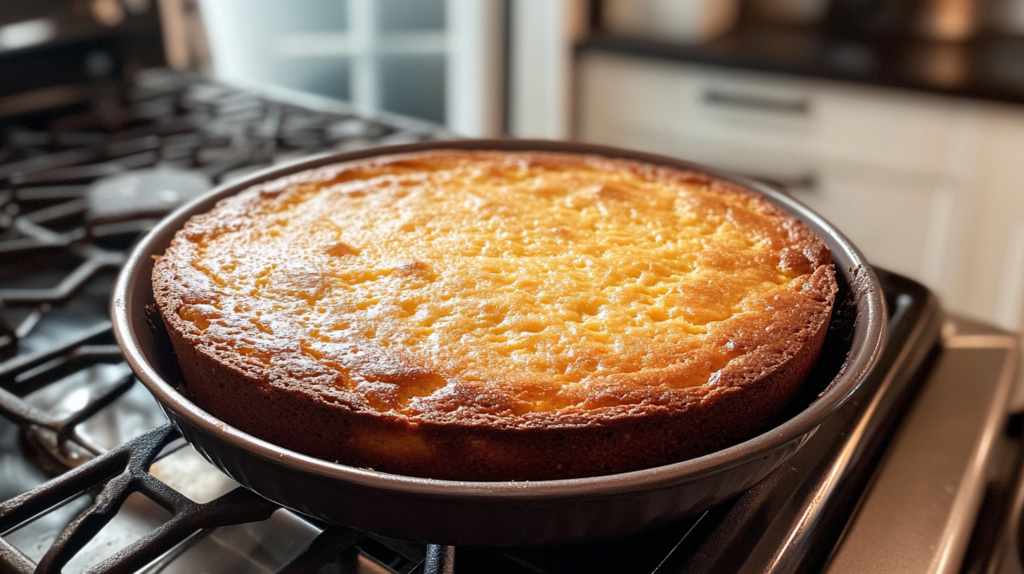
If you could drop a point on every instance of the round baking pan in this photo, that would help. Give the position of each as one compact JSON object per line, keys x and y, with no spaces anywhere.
{"x":502,"y":513}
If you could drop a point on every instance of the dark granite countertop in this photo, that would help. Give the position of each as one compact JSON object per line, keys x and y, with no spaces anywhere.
{"x":988,"y":68}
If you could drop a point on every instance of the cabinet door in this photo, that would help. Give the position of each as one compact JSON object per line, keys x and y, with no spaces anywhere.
{"x":888,"y":216}
{"x":994,"y":271}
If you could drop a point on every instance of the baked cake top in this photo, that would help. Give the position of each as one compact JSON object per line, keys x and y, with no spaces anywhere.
{"x":498,"y":284}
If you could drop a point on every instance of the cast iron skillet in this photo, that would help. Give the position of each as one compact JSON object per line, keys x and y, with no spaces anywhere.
{"x":502,"y":513}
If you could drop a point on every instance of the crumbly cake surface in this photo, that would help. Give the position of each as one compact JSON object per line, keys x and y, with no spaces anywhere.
{"x":491,"y":290}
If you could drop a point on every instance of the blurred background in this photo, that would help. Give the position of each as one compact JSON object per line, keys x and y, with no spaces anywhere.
{"x":898,"y":120}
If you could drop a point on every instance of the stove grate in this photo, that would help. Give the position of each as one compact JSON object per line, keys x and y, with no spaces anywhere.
{"x":124,"y":471}
{"x":77,"y":187}
{"x":30,"y":372}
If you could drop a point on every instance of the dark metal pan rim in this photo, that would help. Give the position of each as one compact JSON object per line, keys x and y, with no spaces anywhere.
{"x":859,"y":363}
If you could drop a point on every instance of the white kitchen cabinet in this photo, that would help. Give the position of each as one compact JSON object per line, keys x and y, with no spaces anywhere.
{"x":895,"y":237}
{"x":874,"y":127}
{"x":928,"y":186}
{"x":994,"y":271}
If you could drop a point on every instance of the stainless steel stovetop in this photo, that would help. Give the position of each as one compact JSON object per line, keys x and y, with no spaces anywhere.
{"x":919,"y":472}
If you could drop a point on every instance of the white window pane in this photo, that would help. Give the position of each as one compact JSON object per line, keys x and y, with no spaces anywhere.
{"x":326,"y":76}
{"x":414,"y":85}
{"x":410,"y":14}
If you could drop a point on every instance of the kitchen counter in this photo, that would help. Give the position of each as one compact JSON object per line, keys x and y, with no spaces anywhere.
{"x":989,"y":68}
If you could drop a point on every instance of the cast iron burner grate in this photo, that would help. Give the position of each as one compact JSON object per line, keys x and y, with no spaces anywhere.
{"x":78,"y":186}
{"x":126,"y":470}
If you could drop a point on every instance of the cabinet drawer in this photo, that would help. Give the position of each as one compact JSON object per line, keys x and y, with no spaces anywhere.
{"x":858,"y":125}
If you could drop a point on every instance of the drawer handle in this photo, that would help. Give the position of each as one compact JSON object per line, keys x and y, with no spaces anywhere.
{"x":806,"y":183}
{"x":759,"y":103}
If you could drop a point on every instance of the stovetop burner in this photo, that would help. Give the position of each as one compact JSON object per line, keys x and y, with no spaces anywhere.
{"x":78,"y":187}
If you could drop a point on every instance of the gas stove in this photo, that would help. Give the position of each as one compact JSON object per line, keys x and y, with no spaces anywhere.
{"x":918,"y":471}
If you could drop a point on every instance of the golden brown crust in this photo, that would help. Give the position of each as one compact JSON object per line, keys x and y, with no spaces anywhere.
{"x":412,"y":414}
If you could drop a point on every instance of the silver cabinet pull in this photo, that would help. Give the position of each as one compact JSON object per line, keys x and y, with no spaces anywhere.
{"x":755,"y":102}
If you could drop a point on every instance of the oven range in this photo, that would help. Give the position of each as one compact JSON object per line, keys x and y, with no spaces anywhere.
{"x":918,"y":472}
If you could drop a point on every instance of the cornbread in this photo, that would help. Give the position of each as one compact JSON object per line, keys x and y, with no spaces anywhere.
{"x":496,"y":315}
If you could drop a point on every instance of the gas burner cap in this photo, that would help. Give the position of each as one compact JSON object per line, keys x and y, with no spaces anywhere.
{"x":143,"y":193}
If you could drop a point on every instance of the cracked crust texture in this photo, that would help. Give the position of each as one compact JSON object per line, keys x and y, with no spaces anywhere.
{"x":496,"y":315}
